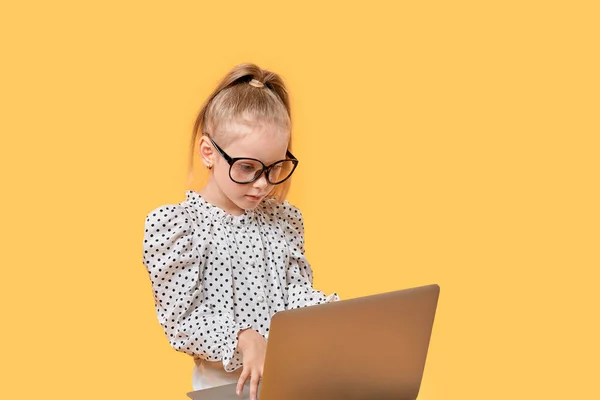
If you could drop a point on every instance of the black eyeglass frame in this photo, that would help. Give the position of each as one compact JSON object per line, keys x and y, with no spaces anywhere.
{"x":265,"y":168}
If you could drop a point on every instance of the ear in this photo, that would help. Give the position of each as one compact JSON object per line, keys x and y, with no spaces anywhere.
{"x":207,"y":152}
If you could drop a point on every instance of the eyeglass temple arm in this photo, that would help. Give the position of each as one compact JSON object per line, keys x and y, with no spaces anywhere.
{"x":220,"y":150}
{"x":290,"y":155}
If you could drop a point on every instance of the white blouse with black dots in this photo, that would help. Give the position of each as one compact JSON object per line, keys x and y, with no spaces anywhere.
{"x":214,"y":274}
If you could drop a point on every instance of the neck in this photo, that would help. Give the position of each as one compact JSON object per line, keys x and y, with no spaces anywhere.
{"x":213,"y":194}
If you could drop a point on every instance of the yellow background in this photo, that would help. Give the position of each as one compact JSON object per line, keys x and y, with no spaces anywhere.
{"x":440,"y":142}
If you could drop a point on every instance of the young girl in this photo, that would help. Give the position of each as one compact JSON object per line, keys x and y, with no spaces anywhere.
{"x":230,"y":256}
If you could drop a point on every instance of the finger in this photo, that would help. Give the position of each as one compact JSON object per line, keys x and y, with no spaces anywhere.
{"x":243,"y":377}
{"x":254,"y":384}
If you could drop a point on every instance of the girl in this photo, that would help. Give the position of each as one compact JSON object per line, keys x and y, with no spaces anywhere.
{"x":230,"y":256}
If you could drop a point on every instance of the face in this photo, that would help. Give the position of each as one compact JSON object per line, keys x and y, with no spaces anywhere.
{"x":262,"y":141}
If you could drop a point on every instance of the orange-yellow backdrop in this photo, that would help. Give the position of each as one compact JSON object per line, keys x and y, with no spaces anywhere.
{"x":453,"y":142}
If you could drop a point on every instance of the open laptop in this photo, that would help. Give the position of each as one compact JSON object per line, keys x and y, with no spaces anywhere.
{"x":371,"y":347}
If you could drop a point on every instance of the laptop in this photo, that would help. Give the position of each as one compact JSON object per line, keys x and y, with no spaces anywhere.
{"x":371,"y":347}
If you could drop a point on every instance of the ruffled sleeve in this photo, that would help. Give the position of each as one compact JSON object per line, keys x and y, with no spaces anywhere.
{"x":299,"y":276}
{"x":191,"y":323}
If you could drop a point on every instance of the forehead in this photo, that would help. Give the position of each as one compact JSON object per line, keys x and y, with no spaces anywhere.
{"x":254,"y":139}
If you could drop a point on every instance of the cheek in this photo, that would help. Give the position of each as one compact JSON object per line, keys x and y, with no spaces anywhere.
{"x":226,"y":184}
{"x":221,"y":172}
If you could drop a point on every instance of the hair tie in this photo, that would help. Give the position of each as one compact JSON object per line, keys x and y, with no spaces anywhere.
{"x":256,"y":83}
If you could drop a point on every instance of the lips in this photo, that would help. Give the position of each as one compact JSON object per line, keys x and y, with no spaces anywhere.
{"x":255,"y":198}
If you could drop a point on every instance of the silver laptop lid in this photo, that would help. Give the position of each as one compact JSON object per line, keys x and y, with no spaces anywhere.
{"x":371,"y":347}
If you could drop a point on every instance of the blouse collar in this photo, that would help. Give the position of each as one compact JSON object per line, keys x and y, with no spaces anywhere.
{"x":218,"y":213}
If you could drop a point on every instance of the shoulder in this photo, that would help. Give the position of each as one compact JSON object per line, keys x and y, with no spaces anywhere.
{"x":283,"y":211}
{"x":192,"y":210}
{"x":168,"y":237}
{"x":292,"y":216}
{"x":288,"y":216}
{"x":167,"y":213}
{"x":168,"y":221}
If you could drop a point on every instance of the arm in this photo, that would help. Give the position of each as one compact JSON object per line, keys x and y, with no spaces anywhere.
{"x":191,"y":323}
{"x":299,"y":277}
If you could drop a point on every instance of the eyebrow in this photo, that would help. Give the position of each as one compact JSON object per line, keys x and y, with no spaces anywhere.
{"x":285,"y":157}
{"x":264,"y":162}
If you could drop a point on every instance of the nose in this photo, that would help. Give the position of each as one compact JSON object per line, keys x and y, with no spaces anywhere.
{"x":261,"y":182}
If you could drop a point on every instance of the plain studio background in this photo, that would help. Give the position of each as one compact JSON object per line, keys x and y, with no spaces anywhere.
{"x":440,"y":142}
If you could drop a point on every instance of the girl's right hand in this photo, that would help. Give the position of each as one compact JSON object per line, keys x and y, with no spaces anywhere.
{"x":253,"y":347}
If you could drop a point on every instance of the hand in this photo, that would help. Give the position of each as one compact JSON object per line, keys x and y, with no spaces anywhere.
{"x":253,"y":348}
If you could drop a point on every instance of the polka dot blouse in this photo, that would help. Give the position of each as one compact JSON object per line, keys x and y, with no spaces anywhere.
{"x":214,"y":274}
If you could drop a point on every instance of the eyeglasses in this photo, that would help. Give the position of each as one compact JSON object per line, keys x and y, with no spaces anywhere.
{"x":247,"y":170}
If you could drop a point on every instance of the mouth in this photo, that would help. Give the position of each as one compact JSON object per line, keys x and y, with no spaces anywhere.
{"x":254,"y":198}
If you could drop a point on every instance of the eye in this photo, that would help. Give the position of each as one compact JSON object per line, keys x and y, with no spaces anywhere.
{"x":247,"y":167}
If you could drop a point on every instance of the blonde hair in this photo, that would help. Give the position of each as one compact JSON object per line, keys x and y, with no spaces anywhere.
{"x":246,"y":90}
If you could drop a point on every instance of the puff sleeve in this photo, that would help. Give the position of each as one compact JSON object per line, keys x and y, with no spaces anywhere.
{"x":191,"y":322}
{"x":299,"y":277}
